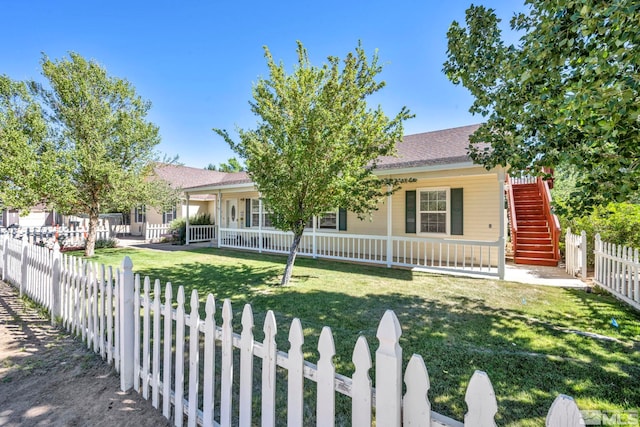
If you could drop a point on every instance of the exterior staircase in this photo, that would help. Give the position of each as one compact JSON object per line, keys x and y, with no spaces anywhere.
{"x":534,"y":230}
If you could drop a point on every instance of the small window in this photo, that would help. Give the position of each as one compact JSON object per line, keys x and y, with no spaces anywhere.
{"x":434,"y":210}
{"x":140,"y":214}
{"x":329,"y":220}
{"x":168,"y":216}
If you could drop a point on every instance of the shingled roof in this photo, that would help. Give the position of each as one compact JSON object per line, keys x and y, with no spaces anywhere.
{"x":441,"y":147}
{"x":184,"y":176}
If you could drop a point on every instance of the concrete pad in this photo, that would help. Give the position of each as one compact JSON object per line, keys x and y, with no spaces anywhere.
{"x":542,"y":275}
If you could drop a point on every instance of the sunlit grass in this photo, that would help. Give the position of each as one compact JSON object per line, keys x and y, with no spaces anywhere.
{"x":522,"y":336}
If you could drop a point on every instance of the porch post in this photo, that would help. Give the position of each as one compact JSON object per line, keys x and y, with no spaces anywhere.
{"x":501,"y":241}
{"x":259,"y":222}
{"x":187,"y":222}
{"x":389,"y":227}
{"x":219,"y":215}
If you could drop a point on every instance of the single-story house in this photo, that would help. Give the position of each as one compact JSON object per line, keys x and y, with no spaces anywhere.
{"x":452,"y":217}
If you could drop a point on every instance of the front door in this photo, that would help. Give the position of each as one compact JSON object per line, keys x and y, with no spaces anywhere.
{"x":232,"y":213}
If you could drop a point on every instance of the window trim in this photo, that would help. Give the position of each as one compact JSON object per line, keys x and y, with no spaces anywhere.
{"x":419,"y":211}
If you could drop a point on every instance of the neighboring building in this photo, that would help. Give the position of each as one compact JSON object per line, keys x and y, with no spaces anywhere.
{"x":38,"y":216}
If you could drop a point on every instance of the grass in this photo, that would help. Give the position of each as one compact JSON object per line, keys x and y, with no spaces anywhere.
{"x":522,"y":336}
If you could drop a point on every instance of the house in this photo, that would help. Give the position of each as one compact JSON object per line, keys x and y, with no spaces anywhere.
{"x":451,"y":218}
{"x":177,"y":176}
{"x":38,"y":216}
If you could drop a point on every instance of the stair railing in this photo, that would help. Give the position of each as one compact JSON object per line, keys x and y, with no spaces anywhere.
{"x":552,"y":219}
{"x":512,"y":214}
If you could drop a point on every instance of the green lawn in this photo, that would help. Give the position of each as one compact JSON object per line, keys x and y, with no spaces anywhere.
{"x":519,"y":334}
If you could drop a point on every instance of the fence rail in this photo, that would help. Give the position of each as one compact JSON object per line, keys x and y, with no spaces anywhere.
{"x":617,"y":269}
{"x":156,"y":342}
{"x":465,"y":256}
{"x":575,"y":247}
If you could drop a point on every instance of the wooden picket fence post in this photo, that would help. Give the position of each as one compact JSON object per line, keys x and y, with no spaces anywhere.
{"x":127,"y":309}
{"x":24,"y":264}
{"x":56,"y":311}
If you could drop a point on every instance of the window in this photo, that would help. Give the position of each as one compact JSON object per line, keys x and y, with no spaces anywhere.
{"x":168,"y":216}
{"x":329,"y":220}
{"x":140,"y":214}
{"x":434,"y":210}
{"x":255,"y":214}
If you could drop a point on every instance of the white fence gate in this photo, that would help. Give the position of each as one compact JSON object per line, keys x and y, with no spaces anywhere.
{"x":617,"y":269}
{"x":576,"y":253}
{"x":157,"y":350}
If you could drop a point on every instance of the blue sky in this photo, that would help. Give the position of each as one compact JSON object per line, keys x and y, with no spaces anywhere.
{"x":196,"y":60}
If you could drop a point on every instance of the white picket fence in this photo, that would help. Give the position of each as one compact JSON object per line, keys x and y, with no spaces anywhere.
{"x":576,"y":253}
{"x":617,"y":269}
{"x":464,"y":256}
{"x":157,"y":350}
{"x":156,"y":232}
{"x":70,"y":237}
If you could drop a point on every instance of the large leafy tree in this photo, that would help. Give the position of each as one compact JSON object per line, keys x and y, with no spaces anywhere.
{"x":82,"y":143}
{"x":25,"y":154}
{"x":567,"y":94}
{"x":317,"y":141}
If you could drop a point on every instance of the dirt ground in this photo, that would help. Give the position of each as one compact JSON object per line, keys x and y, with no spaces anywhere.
{"x":49,"y":378}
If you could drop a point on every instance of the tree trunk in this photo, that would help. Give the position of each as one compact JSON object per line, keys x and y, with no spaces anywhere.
{"x":90,"y":245}
{"x":288,"y":270}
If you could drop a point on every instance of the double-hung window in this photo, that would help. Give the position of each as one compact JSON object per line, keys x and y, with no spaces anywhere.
{"x":328,"y":220}
{"x":140,"y":214}
{"x":168,"y":216}
{"x":255,"y":214}
{"x":434,"y":210}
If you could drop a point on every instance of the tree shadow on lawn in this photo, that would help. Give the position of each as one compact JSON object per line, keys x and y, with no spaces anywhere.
{"x":529,"y":360}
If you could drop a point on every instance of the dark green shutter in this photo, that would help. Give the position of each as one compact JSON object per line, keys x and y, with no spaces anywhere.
{"x":410,"y":212}
{"x":247,"y":214}
{"x":342,"y":219}
{"x":456,"y":212}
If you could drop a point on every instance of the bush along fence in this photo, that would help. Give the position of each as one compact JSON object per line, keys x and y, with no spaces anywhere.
{"x":617,"y":269}
{"x":156,"y":346}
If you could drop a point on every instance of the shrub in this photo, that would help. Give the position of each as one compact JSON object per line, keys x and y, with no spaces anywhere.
{"x":617,"y":223}
{"x":106,"y":243}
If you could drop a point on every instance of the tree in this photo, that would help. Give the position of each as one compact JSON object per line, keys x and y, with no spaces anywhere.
{"x":232,"y":165}
{"x":103,"y":143}
{"x":316,"y":144}
{"x":567,"y":95}
{"x":25,"y":157}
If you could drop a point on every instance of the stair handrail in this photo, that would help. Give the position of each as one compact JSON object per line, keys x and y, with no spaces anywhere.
{"x":552,"y":219}
{"x":512,"y":214}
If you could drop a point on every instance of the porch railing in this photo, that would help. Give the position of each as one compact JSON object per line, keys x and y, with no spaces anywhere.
{"x":466,"y":256}
{"x":201,"y":233}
